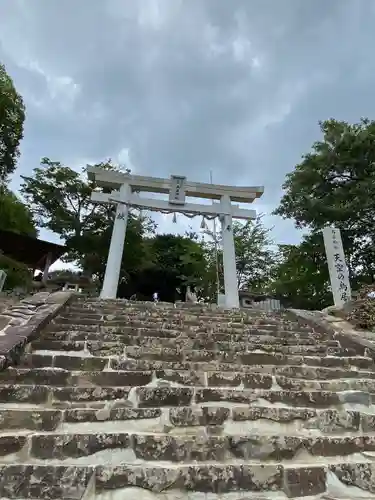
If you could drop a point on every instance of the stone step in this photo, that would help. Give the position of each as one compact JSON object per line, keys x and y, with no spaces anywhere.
{"x":76,"y":362}
{"x":294,"y":481}
{"x":232,"y":481}
{"x":120,"y":306}
{"x":255,"y":357}
{"x":177,"y":329}
{"x":224,"y":352}
{"x":149,"y":309}
{"x":173,"y":315}
{"x":220,"y":420}
{"x":176,"y":318}
{"x":179,"y":323}
{"x":61,"y":378}
{"x":150,"y":396}
{"x":182,"y":356}
{"x":126,"y":334}
{"x":49,"y":482}
{"x":100,"y":348}
{"x":99,"y":448}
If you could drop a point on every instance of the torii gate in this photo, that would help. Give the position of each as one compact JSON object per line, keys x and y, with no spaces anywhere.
{"x":125,"y":194}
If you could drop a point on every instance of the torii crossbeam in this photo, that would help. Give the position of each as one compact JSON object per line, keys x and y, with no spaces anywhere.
{"x":125,"y":189}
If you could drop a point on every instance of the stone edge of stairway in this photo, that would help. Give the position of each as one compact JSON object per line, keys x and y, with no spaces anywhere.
{"x":360,"y":340}
{"x":24,"y":321}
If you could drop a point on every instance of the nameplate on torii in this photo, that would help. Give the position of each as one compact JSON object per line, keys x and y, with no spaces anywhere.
{"x":177,"y":191}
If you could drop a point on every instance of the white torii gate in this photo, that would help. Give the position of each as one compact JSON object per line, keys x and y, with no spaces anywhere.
{"x":125,"y":189}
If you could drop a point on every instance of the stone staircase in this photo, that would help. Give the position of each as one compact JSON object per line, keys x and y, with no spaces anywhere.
{"x":120,"y":400}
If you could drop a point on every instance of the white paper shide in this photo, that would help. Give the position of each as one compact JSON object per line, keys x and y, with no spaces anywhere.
{"x":338,"y":270}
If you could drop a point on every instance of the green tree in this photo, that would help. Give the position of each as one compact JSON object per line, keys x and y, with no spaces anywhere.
{"x":18,"y":274}
{"x":300,"y":276}
{"x":170,"y":262}
{"x":335,"y":185}
{"x":60,"y":200}
{"x":12,"y":117}
{"x":335,"y":182}
{"x":254,"y":254}
{"x":14,"y":215}
{"x":214,"y":277}
{"x":181,"y":256}
{"x":90,"y":249}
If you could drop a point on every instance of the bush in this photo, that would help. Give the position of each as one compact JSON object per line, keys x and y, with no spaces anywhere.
{"x":362,"y":309}
{"x":18,"y":275}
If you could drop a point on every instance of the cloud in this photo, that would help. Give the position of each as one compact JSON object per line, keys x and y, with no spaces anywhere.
{"x":188,"y":86}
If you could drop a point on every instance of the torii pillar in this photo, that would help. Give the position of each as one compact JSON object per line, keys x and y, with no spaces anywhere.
{"x":229,"y":255}
{"x":116,"y":248}
{"x":178,"y":188}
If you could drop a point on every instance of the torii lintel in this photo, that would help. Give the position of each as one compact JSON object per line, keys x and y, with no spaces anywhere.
{"x":111,"y":179}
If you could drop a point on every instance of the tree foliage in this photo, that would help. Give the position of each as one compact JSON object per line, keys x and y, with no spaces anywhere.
{"x":12,"y":117}
{"x":172,"y":263}
{"x":335,"y":182}
{"x":254,"y":254}
{"x":361,"y":312}
{"x":300,"y":276}
{"x":18,"y":274}
{"x":335,"y":185}
{"x":14,"y":215}
{"x":179,"y":254}
{"x":60,"y":200}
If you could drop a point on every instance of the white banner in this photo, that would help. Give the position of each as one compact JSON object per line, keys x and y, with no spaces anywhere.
{"x":338,"y":271}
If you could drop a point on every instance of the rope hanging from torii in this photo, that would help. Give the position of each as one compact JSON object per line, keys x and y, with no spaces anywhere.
{"x":190,"y":215}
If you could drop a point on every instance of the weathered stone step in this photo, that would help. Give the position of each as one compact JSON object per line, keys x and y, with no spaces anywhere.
{"x":189,"y":420}
{"x":149,"y":397}
{"x":173,"y":316}
{"x":247,"y":358}
{"x":195,"y":356}
{"x":176,"y":330}
{"x":49,"y":482}
{"x":62,"y":378}
{"x":67,"y":361}
{"x":100,"y":348}
{"x":247,"y":317}
{"x":184,"y":325}
{"x":119,"y":307}
{"x":175,"y":396}
{"x":126,"y":334}
{"x":52,"y":482}
{"x":102,"y":448}
{"x":207,"y":314}
{"x":295,"y":481}
{"x":176,"y":319}
{"x":44,"y":419}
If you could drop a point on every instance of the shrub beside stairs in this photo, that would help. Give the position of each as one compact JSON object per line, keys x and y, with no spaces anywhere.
{"x":118,"y":400}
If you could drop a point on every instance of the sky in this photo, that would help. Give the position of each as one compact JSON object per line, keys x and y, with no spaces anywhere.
{"x":236,"y":87}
